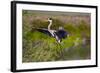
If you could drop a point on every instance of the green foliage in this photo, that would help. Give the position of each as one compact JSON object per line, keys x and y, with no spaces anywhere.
{"x":39,"y":24}
{"x":38,"y":47}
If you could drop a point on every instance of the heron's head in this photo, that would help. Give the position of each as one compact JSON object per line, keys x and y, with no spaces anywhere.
{"x":50,"y":20}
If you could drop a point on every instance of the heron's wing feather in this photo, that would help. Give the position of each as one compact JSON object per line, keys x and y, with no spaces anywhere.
{"x":61,"y":34}
{"x":43,"y":30}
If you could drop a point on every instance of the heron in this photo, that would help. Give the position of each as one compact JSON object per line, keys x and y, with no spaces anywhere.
{"x":57,"y":34}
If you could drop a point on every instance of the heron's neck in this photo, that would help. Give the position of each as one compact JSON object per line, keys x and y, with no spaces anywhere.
{"x":49,"y":25}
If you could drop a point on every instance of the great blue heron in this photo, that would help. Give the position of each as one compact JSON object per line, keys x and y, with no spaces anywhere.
{"x":57,"y":34}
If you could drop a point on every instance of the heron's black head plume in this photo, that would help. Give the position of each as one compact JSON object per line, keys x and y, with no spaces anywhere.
{"x":49,"y":18}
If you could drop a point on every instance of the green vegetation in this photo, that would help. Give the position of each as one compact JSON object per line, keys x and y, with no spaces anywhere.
{"x":38,"y":47}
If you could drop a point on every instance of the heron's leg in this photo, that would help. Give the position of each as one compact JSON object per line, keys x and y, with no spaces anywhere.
{"x":58,"y":39}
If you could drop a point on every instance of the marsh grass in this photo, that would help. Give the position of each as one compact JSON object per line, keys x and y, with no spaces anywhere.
{"x":38,"y":47}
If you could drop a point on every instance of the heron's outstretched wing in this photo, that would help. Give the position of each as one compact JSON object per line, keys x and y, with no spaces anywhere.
{"x":43,"y":30}
{"x":61,"y":34}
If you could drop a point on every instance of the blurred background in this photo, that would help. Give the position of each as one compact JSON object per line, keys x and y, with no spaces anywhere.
{"x":38,"y":47}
